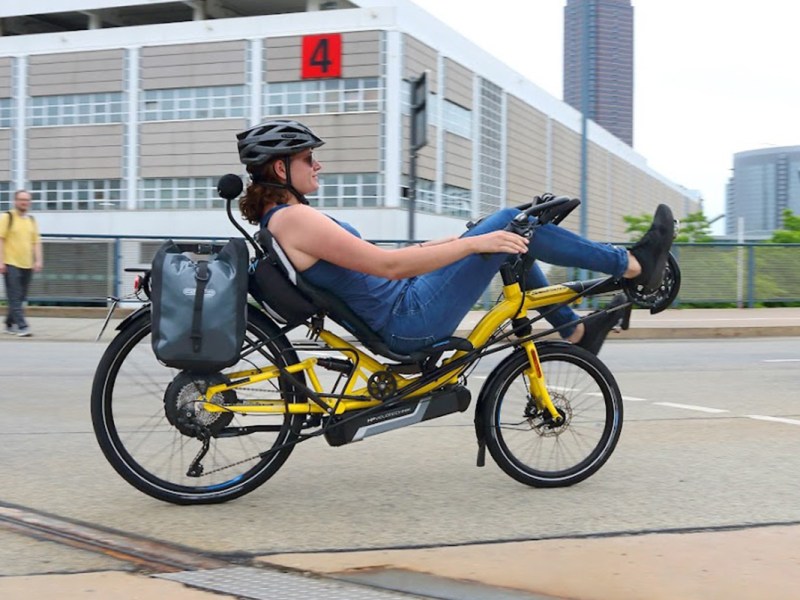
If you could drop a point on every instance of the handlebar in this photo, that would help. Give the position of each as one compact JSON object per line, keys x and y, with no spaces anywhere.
{"x":537,"y":208}
{"x":546,"y":209}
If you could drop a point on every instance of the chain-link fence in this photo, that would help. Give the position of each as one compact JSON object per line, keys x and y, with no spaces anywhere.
{"x":744,"y":275}
{"x":85,"y":270}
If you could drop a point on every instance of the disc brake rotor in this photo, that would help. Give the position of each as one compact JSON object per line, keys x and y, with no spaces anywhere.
{"x":542,"y":422}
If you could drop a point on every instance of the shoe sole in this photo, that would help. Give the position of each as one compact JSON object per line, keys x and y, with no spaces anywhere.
{"x":663,"y":213}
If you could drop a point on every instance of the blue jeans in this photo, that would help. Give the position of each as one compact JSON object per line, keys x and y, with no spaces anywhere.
{"x":17,"y":281}
{"x":435,"y":303}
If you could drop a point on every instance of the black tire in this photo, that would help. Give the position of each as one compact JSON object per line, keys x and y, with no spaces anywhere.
{"x":520,"y":439}
{"x":136,"y":412}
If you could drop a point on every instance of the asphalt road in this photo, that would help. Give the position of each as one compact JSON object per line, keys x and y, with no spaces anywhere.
{"x":711,"y":440}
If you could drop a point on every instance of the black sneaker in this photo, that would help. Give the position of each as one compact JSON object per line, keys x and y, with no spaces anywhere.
{"x":599,"y":323}
{"x":652,"y":250}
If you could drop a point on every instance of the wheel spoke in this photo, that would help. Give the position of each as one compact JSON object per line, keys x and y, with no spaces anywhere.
{"x":530,"y":446}
{"x":148,"y":421}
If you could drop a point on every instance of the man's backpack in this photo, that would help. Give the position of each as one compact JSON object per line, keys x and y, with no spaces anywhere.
{"x":199,"y":305}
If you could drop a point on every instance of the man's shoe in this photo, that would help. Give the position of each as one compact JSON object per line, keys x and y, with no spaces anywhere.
{"x":599,"y":323}
{"x":24,"y":332}
{"x":652,"y":251}
{"x":11,"y":329}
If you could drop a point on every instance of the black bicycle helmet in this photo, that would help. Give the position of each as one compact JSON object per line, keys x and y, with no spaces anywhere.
{"x":279,"y":137}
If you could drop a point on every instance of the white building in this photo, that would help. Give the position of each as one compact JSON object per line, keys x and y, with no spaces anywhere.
{"x":120,"y":115}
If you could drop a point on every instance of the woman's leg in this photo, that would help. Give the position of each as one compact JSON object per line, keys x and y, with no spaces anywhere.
{"x":556,"y":317}
{"x":559,"y":246}
{"x":435,"y":303}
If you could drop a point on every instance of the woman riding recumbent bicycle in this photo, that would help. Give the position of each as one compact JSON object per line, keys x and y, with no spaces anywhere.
{"x":550,"y":412}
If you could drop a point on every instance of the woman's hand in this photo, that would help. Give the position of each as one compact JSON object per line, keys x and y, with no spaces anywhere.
{"x":500,"y":241}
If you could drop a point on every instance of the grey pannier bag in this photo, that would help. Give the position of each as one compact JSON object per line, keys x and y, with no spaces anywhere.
{"x":199,"y":311}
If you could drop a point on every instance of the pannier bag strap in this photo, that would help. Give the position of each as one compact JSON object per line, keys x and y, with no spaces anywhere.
{"x":201,"y":276}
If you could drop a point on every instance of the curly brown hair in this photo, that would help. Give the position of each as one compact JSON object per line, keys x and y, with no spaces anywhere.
{"x":259,"y":195}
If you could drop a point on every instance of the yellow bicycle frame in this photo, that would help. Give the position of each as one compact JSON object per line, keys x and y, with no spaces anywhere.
{"x":514,"y":305}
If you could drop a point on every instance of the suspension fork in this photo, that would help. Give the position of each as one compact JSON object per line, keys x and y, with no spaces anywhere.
{"x":537,"y":384}
{"x":512,"y":291}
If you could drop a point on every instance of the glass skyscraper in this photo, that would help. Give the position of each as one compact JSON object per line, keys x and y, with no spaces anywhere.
{"x":764,"y":183}
{"x":608,"y":25}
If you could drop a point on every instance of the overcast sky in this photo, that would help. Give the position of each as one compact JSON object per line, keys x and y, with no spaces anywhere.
{"x":711,"y":77}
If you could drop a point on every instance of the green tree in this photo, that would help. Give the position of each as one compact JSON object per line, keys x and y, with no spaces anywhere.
{"x":693,"y":228}
{"x":790,"y":234}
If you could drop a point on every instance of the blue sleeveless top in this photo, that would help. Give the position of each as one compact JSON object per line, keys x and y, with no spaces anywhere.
{"x":369,"y":296}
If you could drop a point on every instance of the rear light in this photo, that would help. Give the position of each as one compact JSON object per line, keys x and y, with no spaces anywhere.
{"x":137,"y":283}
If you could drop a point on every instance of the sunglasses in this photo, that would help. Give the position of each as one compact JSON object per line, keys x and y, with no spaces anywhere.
{"x":309,"y":159}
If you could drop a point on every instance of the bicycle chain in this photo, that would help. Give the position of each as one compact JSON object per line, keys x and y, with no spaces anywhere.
{"x":244,"y":460}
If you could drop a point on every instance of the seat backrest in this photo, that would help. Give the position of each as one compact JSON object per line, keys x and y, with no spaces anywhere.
{"x":273,"y":283}
{"x":291,"y":299}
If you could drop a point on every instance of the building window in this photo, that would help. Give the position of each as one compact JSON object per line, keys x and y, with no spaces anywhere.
{"x":77,"y":194}
{"x":425,"y":197}
{"x":219,"y":102}
{"x":350,"y":190}
{"x":456,"y":201}
{"x":5,"y":196}
{"x":179,"y":193}
{"x":322,"y":96}
{"x":5,"y":112}
{"x":75,"y":109}
{"x":457,"y":119}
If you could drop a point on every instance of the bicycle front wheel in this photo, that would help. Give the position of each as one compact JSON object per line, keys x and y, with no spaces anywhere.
{"x":152,"y":430}
{"x":526,"y":443}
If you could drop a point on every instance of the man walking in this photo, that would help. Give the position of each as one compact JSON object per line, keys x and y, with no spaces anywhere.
{"x":20,"y":255}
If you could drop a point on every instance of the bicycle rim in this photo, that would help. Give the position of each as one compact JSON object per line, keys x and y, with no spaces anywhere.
{"x":137,"y":405}
{"x":527,"y":445}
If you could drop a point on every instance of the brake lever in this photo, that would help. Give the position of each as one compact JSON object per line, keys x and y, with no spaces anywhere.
{"x":521,"y":226}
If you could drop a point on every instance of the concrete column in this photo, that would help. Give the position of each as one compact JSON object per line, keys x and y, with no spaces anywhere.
{"x":132,"y":128}
{"x":255,"y":76}
{"x":392,"y":118}
{"x":20,"y":93}
{"x":476,"y":146}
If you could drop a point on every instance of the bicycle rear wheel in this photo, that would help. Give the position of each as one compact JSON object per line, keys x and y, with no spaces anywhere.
{"x":151,"y":430}
{"x":524,"y":441}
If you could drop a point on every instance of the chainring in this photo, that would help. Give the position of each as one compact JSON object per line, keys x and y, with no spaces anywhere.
{"x":381,"y":385}
{"x":663,"y":296}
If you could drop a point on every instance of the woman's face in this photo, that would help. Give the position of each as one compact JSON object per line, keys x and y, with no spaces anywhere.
{"x":304,"y":172}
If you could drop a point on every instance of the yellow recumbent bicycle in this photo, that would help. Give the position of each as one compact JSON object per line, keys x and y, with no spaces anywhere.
{"x":550,"y":412}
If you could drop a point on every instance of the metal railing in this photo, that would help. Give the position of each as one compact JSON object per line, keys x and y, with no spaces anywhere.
{"x":85,"y":270}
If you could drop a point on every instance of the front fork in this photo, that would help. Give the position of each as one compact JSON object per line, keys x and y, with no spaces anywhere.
{"x":512,"y":290}
{"x":541,"y":396}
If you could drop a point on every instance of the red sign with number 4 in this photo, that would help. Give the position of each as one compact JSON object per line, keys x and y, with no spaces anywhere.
{"x":322,"y":56}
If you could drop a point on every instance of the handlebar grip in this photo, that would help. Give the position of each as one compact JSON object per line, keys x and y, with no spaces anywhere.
{"x":537,"y":209}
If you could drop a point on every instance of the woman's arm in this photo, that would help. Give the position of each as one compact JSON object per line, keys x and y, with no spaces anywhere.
{"x":307,"y":236}
{"x":446,"y":240}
